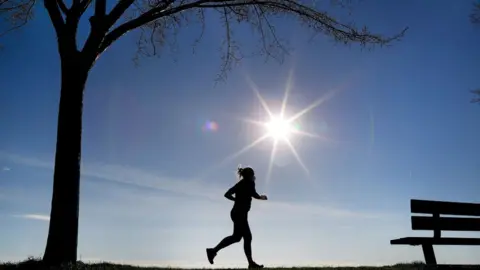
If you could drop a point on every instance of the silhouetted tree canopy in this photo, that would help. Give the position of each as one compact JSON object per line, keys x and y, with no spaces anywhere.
{"x":160,"y":20}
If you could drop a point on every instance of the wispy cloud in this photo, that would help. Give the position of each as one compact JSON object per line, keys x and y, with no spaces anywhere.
{"x":314,"y":209}
{"x":18,"y":159}
{"x":141,"y":178}
{"x":126,"y":175}
{"x":34,"y":217}
{"x":5,"y":169}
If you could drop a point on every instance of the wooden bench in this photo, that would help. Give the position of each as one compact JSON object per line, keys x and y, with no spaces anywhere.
{"x":437,"y":224}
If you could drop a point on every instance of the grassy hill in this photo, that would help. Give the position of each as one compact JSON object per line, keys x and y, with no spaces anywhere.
{"x":37,"y":264}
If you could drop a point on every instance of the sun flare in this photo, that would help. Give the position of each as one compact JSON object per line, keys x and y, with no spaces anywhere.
{"x":279,"y":128}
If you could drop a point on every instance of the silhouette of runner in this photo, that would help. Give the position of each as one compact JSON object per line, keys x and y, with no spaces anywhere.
{"x":244,"y":191}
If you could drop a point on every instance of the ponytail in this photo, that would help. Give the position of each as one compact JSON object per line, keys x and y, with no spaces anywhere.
{"x":239,"y":171}
{"x":245,"y":172}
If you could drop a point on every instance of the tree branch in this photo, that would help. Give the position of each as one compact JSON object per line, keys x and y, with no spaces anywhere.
{"x":12,"y":8}
{"x":259,"y":10}
{"x":227,"y":58}
{"x":322,"y":21}
{"x":23,"y":23}
{"x":18,"y":13}
{"x":317,"y":20}
{"x":118,"y":10}
{"x":63,"y":7}
{"x":55,"y":16}
{"x":100,"y":8}
{"x":149,"y":16}
{"x":475,"y":15}
{"x":476,"y":99}
{"x":80,"y":6}
{"x":98,"y":28}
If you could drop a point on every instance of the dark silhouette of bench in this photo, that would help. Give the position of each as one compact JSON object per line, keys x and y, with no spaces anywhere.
{"x":437,"y":224}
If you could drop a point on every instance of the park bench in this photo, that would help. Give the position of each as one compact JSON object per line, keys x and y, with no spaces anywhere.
{"x":470,"y":222}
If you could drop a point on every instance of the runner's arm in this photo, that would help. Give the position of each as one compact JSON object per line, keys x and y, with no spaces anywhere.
{"x":255,"y":195}
{"x":230,"y":192}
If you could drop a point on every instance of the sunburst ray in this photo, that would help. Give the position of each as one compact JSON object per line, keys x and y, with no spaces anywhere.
{"x":231,"y":157}
{"x":260,"y":98}
{"x":287,"y":92}
{"x":297,"y":157}
{"x":246,"y":148}
{"x":255,"y":122}
{"x":270,"y":163}
{"x":312,"y":106}
{"x":308,"y":134}
{"x":279,"y":127}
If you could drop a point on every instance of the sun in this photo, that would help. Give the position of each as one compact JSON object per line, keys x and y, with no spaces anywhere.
{"x":279,"y":128}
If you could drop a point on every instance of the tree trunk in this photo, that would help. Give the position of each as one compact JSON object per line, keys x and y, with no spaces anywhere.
{"x":63,"y":231}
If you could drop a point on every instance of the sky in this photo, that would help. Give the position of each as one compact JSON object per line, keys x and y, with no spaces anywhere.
{"x":396,"y":123}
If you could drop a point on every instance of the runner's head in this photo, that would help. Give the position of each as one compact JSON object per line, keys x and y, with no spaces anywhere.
{"x":246,"y":173}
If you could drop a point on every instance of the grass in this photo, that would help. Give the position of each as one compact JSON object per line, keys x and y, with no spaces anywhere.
{"x":33,"y":263}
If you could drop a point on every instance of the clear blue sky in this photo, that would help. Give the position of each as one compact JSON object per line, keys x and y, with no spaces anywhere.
{"x":400,"y":128}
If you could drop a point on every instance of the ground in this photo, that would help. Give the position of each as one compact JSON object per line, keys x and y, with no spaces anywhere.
{"x":37,"y":264}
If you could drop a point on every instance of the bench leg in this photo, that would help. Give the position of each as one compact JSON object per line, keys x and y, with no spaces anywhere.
{"x":429,"y":255}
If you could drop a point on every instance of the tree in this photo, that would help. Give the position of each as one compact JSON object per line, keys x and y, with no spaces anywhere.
{"x":476,"y":99}
{"x":475,"y":15}
{"x":156,"y":18}
{"x":475,"y":19}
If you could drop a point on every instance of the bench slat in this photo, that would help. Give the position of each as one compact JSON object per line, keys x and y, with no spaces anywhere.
{"x":434,"y":241}
{"x":445,"y":223}
{"x":446,"y":208}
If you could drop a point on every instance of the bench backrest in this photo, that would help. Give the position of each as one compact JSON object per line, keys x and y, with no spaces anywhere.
{"x":437,"y":223}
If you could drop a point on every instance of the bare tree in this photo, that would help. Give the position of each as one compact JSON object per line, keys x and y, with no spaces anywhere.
{"x":475,"y":15}
{"x":475,"y":19}
{"x":157,"y":20}
{"x":476,"y":99}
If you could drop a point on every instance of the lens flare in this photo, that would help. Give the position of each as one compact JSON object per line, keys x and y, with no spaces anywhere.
{"x":211,"y":126}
